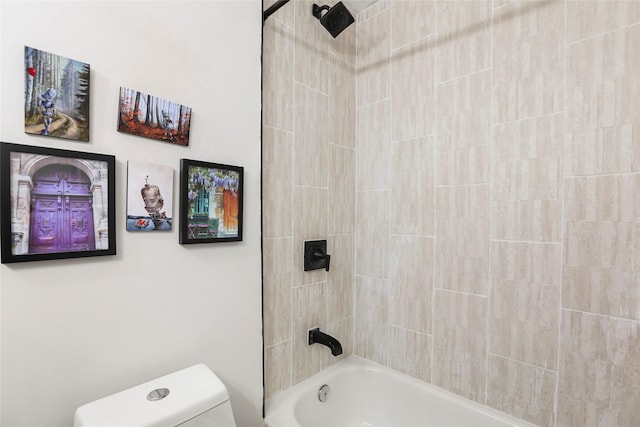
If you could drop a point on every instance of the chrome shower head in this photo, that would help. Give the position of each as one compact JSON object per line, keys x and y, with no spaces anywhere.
{"x":335,"y":19}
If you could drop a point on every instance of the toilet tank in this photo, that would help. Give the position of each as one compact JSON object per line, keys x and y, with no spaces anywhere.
{"x":189,"y":397}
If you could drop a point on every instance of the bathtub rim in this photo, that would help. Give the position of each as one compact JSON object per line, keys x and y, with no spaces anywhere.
{"x":280,"y":408}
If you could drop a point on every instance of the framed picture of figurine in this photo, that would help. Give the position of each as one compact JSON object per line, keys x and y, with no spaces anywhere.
{"x":55,"y":203}
{"x":149,"y":196}
{"x":56,"y":95}
{"x":210,"y":202}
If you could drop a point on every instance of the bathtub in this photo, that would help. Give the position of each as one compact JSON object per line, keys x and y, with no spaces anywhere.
{"x":362,"y":393}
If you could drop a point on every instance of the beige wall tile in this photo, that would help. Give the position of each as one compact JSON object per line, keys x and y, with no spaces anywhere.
{"x":411,"y":20}
{"x":342,"y":190}
{"x":412,"y":92}
{"x":372,"y":229}
{"x":412,"y":208}
{"x":276,"y":290}
{"x":463,"y":38}
{"x":310,"y":212}
{"x":277,"y":151}
{"x":603,"y":115}
{"x":308,"y":312}
{"x":277,"y":368}
{"x":462,"y":238}
{"x":412,"y":260}
{"x":459,"y":344}
{"x":525,"y":302}
{"x":524,"y":391}
{"x":410,"y":353}
{"x":593,"y":17}
{"x":601,"y":275}
{"x":528,"y":58}
{"x":277,"y":75}
{"x":463,"y":123}
{"x":374,"y":48}
{"x":373,"y":145}
{"x":342,"y":100}
{"x":527,"y":176}
{"x":341,"y":277}
{"x":371,"y":318}
{"x":310,"y":148}
{"x":600,"y":367}
{"x":312,"y":59}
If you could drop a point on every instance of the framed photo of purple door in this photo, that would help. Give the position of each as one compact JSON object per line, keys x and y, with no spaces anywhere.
{"x":55,"y":204}
{"x":210,"y":202}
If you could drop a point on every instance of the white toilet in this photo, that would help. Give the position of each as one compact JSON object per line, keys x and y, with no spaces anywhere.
{"x":192,"y":397}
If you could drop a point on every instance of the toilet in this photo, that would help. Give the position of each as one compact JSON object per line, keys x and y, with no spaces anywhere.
{"x":191,"y":397}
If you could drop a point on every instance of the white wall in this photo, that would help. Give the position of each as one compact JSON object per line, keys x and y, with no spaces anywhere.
{"x":76,"y":330}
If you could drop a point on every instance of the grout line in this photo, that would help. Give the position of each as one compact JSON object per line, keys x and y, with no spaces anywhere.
{"x":492,"y":163}
{"x":608,"y":316}
{"x":466,"y":75}
{"x":523,"y":363}
{"x":434,"y":164}
{"x":595,"y":36}
{"x":556,"y":392}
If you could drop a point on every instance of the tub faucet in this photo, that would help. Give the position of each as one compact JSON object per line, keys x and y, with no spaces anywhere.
{"x":315,"y":336}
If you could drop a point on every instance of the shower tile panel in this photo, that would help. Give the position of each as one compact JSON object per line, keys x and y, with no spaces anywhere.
{"x":412,"y":282}
{"x":590,"y":18}
{"x":522,"y":390}
{"x":526,"y":185}
{"x":277,"y":190}
{"x":373,"y":146}
{"x":310,"y":211}
{"x":372,"y":229}
{"x":342,"y":97}
{"x":340,"y":281}
{"x":374,"y":47}
{"x":600,"y":370}
{"x":601,"y":271}
{"x":310,"y":148}
{"x":342,"y":190}
{"x":412,"y":91}
{"x":410,"y":352}
{"x":308,"y":313}
{"x":277,"y":286}
{"x":277,"y":372}
{"x":525,"y":302}
{"x":463,"y":42}
{"x":603,"y":112}
{"x":412,"y":208}
{"x":372,"y":318}
{"x":311,"y":62}
{"x":463,"y":130}
{"x":411,"y":21}
{"x":528,"y":59}
{"x":277,"y":75}
{"x":459,"y":344}
{"x":462,"y":243}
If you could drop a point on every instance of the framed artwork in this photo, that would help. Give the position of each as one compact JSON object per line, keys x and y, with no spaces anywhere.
{"x":152,"y":117}
{"x":56,"y":95}
{"x":55,"y":203}
{"x":210,"y":202}
{"x":149,"y":196}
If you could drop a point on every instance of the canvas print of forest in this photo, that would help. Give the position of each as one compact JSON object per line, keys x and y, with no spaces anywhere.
{"x":145,"y":115}
{"x":56,"y":96}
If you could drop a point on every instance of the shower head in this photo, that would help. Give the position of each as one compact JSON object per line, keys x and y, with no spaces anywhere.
{"x":335,"y":19}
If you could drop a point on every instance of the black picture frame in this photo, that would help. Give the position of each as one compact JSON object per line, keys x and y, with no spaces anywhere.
{"x":210,"y":202}
{"x":54,"y":204}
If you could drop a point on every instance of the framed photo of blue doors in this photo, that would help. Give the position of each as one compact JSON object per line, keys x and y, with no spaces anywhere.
{"x":210,"y":202}
{"x":55,"y":204}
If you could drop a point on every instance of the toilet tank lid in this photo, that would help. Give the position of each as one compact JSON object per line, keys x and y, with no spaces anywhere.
{"x":192,"y":391}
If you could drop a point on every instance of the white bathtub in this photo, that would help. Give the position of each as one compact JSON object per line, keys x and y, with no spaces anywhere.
{"x":363,"y":393}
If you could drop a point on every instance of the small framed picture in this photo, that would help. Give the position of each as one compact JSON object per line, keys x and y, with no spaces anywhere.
{"x":55,"y":203}
{"x":149,"y":196}
{"x":152,"y":117}
{"x":56,"y":95}
{"x":210,"y":202}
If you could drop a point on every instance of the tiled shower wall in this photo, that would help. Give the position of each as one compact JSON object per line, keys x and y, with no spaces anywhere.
{"x":495,"y":166}
{"x":308,"y":190}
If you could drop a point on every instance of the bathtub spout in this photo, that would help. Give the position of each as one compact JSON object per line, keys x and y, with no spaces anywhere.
{"x":315,"y":336}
